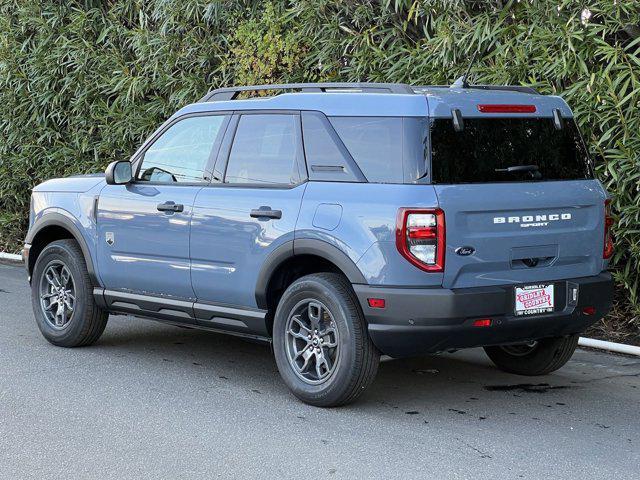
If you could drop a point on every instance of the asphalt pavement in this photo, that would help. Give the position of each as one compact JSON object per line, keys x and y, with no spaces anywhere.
{"x":156,"y":401}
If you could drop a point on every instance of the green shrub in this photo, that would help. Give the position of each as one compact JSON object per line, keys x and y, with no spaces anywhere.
{"x":265,"y":49}
{"x":82,"y":83}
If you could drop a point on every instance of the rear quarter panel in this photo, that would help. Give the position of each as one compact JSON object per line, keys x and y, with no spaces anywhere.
{"x":360,"y":220}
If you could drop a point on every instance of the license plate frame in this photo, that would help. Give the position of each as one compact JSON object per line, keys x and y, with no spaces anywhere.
{"x":533,"y":299}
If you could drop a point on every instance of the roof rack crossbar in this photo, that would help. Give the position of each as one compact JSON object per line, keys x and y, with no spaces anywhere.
{"x":231,"y":93}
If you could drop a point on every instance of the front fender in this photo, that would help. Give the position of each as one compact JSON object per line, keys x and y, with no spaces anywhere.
{"x":61,"y":218}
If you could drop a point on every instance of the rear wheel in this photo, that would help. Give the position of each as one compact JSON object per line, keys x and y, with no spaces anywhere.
{"x":62,"y":297}
{"x":321,"y":345}
{"x":535,"y":358}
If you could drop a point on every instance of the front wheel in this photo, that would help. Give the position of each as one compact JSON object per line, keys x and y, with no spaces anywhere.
{"x":62,"y":297}
{"x":535,"y":358}
{"x":321,"y":344}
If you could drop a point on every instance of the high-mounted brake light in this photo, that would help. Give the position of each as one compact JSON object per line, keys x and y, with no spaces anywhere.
{"x":420,"y":237}
{"x":496,"y":108}
{"x":608,"y":237}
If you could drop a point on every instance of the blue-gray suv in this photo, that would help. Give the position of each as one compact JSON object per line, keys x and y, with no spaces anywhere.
{"x":339,"y":222}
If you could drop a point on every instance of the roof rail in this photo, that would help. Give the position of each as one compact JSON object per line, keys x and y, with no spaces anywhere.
{"x":509,"y":88}
{"x":231,"y":93}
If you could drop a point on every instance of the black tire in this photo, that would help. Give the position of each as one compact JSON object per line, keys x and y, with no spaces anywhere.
{"x":356,"y":362}
{"x":546,"y":356}
{"x":87,"y":321}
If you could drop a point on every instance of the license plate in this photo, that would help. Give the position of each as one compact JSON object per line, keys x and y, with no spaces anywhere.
{"x":534,"y":299}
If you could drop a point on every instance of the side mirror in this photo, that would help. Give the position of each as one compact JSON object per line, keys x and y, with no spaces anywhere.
{"x":118,"y":173}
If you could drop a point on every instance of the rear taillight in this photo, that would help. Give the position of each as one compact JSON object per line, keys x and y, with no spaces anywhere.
{"x":608,"y":238}
{"x":420,"y":237}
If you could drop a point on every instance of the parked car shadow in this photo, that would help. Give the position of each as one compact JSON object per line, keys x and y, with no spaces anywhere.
{"x":461,"y":384}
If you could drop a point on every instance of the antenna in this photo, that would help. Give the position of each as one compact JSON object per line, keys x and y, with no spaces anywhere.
{"x":461,"y":82}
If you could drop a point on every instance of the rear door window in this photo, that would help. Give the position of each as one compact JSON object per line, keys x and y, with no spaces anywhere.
{"x":491,"y":150}
{"x":265,"y":150}
{"x":375,"y":143}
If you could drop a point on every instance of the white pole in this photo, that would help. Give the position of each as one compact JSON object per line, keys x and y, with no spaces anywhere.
{"x":610,"y":346}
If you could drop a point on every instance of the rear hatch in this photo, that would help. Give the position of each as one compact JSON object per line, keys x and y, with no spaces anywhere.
{"x":520,"y":201}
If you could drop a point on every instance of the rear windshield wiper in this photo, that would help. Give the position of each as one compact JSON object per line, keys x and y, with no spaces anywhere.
{"x":519,"y":168}
{"x":532,"y":169}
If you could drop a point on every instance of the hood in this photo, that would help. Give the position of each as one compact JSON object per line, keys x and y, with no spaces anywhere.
{"x":77,"y":183}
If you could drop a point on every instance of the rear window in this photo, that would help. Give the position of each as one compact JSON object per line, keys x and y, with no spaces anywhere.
{"x":375,"y":143}
{"x":491,"y":150}
{"x":386,"y":149}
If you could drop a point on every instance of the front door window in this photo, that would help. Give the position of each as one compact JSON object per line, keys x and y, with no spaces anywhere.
{"x":183,"y":152}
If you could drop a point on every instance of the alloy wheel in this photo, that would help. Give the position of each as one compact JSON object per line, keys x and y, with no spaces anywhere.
{"x":57,"y":294}
{"x":312,"y":341}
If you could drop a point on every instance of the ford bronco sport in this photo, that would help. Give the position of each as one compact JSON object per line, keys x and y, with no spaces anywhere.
{"x":339,"y":222}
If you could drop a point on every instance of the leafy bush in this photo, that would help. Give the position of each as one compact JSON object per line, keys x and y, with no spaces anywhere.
{"x":83,"y":83}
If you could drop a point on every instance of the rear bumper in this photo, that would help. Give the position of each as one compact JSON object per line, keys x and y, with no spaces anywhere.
{"x":417,"y":321}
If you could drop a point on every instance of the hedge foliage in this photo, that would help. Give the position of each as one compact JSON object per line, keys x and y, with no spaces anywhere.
{"x":83,"y":82}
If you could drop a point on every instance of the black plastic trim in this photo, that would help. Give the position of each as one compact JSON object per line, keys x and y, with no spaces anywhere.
{"x":312,"y":246}
{"x":98,"y":297}
{"x":228,"y":318}
{"x":270,"y":265}
{"x":59,"y":220}
{"x":222,"y":157}
{"x":223,"y":318}
{"x":417,"y":321}
{"x":304,"y":246}
{"x":148,"y":306}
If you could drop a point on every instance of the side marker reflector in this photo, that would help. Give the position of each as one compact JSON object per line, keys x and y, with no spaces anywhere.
{"x":482,"y":322}
{"x":376,"y":302}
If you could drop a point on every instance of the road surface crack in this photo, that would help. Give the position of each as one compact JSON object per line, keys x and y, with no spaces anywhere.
{"x":477,"y":450}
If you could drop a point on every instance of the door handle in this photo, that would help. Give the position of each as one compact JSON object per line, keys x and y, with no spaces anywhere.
{"x":170,"y":207}
{"x":266,"y":213}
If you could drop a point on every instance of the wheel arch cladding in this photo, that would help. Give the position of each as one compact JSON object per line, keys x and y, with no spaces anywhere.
{"x":310,"y":256}
{"x":52,"y":227}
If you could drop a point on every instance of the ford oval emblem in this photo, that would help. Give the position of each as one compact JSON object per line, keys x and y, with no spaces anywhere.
{"x":465,"y":251}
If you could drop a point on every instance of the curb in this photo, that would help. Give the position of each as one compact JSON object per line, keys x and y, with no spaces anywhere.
{"x":583,"y":342}
{"x":10,"y":257}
